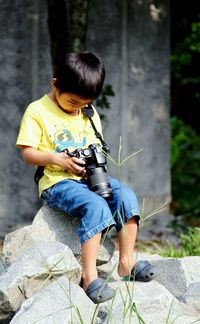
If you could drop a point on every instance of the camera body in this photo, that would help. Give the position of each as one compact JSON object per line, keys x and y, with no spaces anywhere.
{"x":96,"y":169}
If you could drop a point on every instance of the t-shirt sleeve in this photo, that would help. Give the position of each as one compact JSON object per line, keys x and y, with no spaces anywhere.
{"x":30,"y":132}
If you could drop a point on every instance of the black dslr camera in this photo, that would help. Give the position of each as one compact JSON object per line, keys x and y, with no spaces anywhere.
{"x":96,"y":170}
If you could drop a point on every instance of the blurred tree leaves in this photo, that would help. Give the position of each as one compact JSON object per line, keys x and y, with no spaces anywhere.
{"x":185,"y":58}
{"x":102,"y":101}
{"x":182,"y":55}
{"x":185,"y":168}
{"x":185,"y":108}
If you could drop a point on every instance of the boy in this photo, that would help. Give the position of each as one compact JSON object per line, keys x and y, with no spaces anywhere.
{"x":55,"y":123}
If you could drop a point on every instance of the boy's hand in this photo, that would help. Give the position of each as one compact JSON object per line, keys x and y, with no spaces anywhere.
{"x":71,"y":164}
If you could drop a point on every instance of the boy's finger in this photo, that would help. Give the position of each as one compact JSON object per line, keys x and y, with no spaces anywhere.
{"x":78,"y":161}
{"x":77,"y":168}
{"x":83,"y":173}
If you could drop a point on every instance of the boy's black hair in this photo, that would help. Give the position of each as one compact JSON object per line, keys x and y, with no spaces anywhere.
{"x":82,"y":74}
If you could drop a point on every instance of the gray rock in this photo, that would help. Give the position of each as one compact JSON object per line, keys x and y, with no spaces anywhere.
{"x":57,"y":226}
{"x":172,"y":276}
{"x":191,"y":268}
{"x":60,"y":302}
{"x":192,"y":296}
{"x":178,"y":273}
{"x":40,"y":264}
{"x":2,"y":266}
{"x":151,"y":301}
{"x":17,"y":242}
{"x":52,"y":225}
{"x":109,"y":270}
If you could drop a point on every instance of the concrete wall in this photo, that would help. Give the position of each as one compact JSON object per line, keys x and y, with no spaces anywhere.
{"x":25,"y":66}
{"x":133,"y":39}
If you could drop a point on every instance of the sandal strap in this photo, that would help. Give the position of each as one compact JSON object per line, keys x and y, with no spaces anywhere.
{"x":95,"y":284}
{"x":143,"y":266}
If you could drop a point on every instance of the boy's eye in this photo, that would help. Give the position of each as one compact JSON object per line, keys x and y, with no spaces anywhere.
{"x":73,"y":102}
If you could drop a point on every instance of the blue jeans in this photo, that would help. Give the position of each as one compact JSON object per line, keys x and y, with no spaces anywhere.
{"x":95,"y":213}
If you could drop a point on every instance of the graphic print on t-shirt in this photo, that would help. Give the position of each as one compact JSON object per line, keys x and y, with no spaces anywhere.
{"x":64,"y":139}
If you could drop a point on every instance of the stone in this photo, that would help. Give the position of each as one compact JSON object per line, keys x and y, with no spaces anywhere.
{"x":60,"y":302}
{"x":16,"y":243}
{"x":109,"y":270}
{"x":146,"y":303}
{"x":192,"y":296}
{"x":191,"y":268}
{"x":178,"y":273}
{"x":40,"y":264}
{"x":57,"y":226}
{"x":52,"y":225}
{"x":2,"y":266}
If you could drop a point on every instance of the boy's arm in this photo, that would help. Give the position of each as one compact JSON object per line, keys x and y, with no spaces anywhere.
{"x":33,"y":156}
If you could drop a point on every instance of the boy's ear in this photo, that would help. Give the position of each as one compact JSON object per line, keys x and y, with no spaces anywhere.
{"x":53,"y":82}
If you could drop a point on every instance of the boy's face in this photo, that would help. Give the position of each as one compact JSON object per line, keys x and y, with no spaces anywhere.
{"x":70,"y":102}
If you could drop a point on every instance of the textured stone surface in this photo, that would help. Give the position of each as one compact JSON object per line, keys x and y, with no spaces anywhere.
{"x":43,"y":262}
{"x":60,"y":302}
{"x":109,"y":270}
{"x":192,"y":296}
{"x":170,"y":297}
{"x":49,"y":224}
{"x":2,"y":266}
{"x":153,"y":302}
{"x":176,"y":274}
{"x":25,"y":74}
{"x":17,"y":242}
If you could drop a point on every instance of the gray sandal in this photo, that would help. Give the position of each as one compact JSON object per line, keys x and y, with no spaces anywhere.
{"x":143,"y":271}
{"x":98,"y":291}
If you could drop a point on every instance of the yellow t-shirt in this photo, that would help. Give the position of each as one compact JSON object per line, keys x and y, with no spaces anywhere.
{"x":48,"y":129}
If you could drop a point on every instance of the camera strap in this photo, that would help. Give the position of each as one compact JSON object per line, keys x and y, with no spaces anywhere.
{"x":89,"y":113}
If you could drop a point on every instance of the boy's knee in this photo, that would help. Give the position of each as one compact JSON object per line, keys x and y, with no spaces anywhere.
{"x":98,"y":206}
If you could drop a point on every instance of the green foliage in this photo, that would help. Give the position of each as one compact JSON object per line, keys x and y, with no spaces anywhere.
{"x":195,"y":37}
{"x":183,"y":53}
{"x":190,"y":245}
{"x":185,"y":75}
{"x":102,"y":101}
{"x":185,"y":170}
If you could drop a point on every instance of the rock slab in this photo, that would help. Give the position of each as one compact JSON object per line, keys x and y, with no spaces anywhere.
{"x":42,"y":263}
{"x":60,"y":302}
{"x":51,"y":225}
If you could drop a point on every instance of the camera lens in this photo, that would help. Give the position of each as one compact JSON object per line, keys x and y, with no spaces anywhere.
{"x":98,"y":182}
